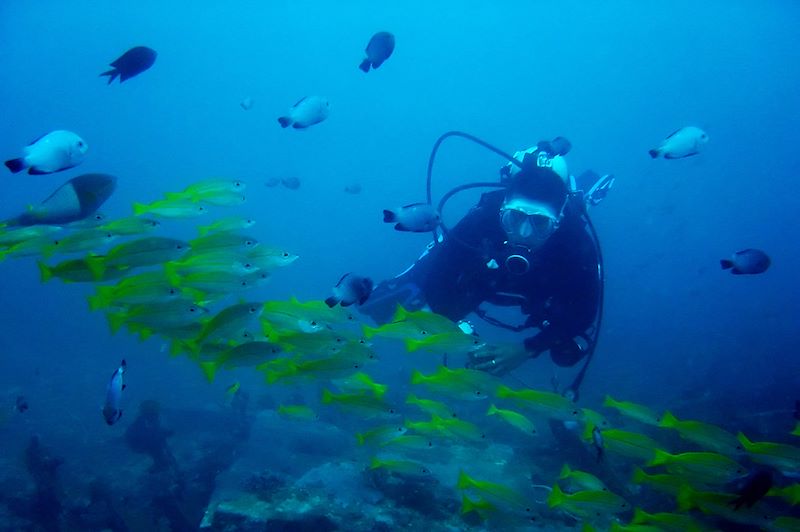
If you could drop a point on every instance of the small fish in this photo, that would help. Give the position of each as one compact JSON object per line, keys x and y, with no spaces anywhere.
{"x":247,"y":103}
{"x":77,"y":199}
{"x":233,"y":223}
{"x":685,"y":142}
{"x":21,"y":404}
{"x":747,"y":262}
{"x":292,"y":183}
{"x":597,"y":443}
{"x":131,"y":63}
{"x":53,"y":152}
{"x":635,"y":411}
{"x":306,"y":112}
{"x":416,"y":217}
{"x":112,"y":411}
{"x":580,"y":480}
{"x":350,"y":289}
{"x":353,"y":188}
{"x":378,"y":50}
{"x":170,"y":208}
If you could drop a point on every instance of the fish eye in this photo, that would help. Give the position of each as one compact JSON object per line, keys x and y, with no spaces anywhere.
{"x":285,"y":254}
{"x":192,"y":309}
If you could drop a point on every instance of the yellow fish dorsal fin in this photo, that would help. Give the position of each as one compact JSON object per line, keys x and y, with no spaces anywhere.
{"x":668,"y":420}
{"x":565,"y":471}
{"x":400,"y":314}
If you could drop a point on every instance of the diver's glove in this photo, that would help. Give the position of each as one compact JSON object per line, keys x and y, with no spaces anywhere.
{"x":497,"y":359}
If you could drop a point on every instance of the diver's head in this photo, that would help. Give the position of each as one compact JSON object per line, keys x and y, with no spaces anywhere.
{"x":534,"y":204}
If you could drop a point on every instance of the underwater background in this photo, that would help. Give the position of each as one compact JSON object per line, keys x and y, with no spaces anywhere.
{"x":613,"y":77}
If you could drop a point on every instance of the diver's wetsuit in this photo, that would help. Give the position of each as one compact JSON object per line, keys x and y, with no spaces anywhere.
{"x":561,"y":288}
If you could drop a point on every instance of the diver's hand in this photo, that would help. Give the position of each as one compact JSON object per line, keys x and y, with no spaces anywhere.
{"x":497,"y":359}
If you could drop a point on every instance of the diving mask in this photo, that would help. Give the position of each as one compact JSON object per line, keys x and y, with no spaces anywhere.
{"x":527,"y":223}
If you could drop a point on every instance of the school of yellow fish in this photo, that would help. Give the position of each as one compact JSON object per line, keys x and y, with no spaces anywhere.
{"x":176,"y":289}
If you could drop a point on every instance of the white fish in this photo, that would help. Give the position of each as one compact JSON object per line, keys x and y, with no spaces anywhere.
{"x":111,"y":410}
{"x":53,"y":152}
{"x":685,"y":142}
{"x":308,"y":111}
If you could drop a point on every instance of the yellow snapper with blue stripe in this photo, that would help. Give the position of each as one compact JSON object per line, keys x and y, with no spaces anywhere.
{"x":587,"y":503}
{"x":170,"y":208}
{"x":781,"y":456}
{"x":661,"y":482}
{"x":430,"y":406}
{"x":225,"y":242}
{"x":515,"y":419}
{"x":706,"y":468}
{"x":233,"y":223}
{"x":496,"y":493}
{"x":148,"y":318}
{"x":242,"y":355}
{"x":147,"y":251}
{"x":705,"y":435}
{"x":131,"y":225}
{"x":446,"y":342}
{"x":634,"y":411}
{"x":629,"y":444}
{"x":446,"y":428}
{"x":549,"y":404}
{"x":209,"y":190}
{"x":91,"y":239}
{"x":575,"y":480}
{"x":460,"y":383}
{"x":77,"y":271}
{"x":668,"y":521}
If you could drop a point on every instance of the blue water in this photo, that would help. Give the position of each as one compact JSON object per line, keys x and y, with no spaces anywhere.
{"x":613,"y":77}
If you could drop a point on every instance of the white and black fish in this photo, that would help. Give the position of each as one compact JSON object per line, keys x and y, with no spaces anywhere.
{"x":131,"y":63}
{"x":378,"y":50}
{"x":416,"y":217}
{"x":747,"y":262}
{"x":350,"y":289}
{"x":685,"y":142}
{"x":111,"y":410}
{"x":52,"y":152}
{"x":306,"y":112}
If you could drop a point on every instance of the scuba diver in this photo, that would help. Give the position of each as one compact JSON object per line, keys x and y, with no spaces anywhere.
{"x":529,"y":244}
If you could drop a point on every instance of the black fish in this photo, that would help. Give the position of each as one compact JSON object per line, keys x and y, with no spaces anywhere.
{"x":77,"y":199}
{"x":747,"y":261}
{"x":21,"y":404}
{"x":379,"y":48}
{"x":133,"y":62}
{"x":292,"y":183}
{"x":754,"y":489}
{"x":350,"y":289}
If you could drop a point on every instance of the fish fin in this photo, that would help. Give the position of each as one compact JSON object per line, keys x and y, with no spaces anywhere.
{"x":327,"y":397}
{"x":298,"y":126}
{"x":653,"y":153}
{"x":45,"y":270}
{"x":16,"y":165}
{"x":368,"y":331}
{"x":668,"y":420}
{"x":124,"y":386}
{"x":210,"y":369}
{"x":417,"y":377}
{"x":139,"y":209}
{"x":299,"y":101}
{"x":412,"y":344}
{"x":365,"y":64}
{"x":115,"y":321}
{"x":668,"y":156}
{"x":97,"y":266}
{"x":401,"y":227}
{"x":363,"y":299}
{"x":565,"y":471}
{"x":36,"y":171}
{"x":285,"y":121}
{"x":331,"y":301}
{"x":112,"y":75}
{"x":726,"y":264}
{"x":389,"y":216}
